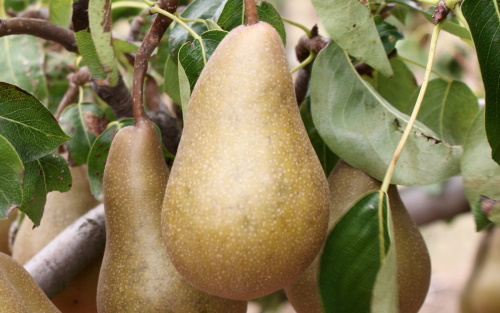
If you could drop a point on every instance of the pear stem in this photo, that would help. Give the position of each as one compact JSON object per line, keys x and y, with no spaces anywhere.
{"x":251,"y":12}
{"x":406,"y":133}
{"x":305,"y":29}
{"x":304,"y":63}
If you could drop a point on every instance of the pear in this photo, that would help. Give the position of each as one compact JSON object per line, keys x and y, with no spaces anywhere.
{"x":347,"y":185}
{"x":484,"y":288}
{"x":136,"y":274}
{"x":62,"y":209}
{"x":19,"y":293}
{"x":247,"y":203}
{"x":4,"y":232}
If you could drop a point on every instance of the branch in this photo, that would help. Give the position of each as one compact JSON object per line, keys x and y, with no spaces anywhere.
{"x":39,"y":28}
{"x":79,"y":245}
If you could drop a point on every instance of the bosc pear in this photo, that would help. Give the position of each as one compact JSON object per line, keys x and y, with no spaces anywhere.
{"x":347,"y":185}
{"x":247,"y":203}
{"x":19,"y":293}
{"x":136,"y":274}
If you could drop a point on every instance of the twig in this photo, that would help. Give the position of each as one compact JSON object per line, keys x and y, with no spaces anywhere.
{"x":39,"y":28}
{"x":79,"y":245}
{"x":79,"y":78}
{"x":149,"y":43}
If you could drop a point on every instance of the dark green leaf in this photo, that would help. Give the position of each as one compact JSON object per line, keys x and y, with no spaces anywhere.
{"x":99,"y":154}
{"x":42,"y":176}
{"x":11,"y":173}
{"x":481,"y":220}
{"x":448,"y":108}
{"x":100,"y":31}
{"x":483,"y":17}
{"x":171,"y":77}
{"x":77,"y":121}
{"x":327,"y":158}
{"x":388,"y":33}
{"x":17,"y":5}
{"x":233,"y":15}
{"x":60,"y":12}
{"x":200,"y":9}
{"x":481,"y":175}
{"x":57,"y":67}
{"x":190,"y":54}
{"x":398,"y":89}
{"x":351,"y":26}
{"x":351,"y":258}
{"x":27,"y":124}
{"x":21,"y":64}
{"x":89,"y":54}
{"x":362,"y":128}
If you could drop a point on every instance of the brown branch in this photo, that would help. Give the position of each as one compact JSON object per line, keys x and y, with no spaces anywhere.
{"x":149,"y":43}
{"x":39,"y":28}
{"x":251,"y":12}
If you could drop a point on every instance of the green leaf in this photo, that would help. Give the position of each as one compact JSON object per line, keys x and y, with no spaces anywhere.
{"x":400,"y":12}
{"x":233,"y":15}
{"x":171,"y":77}
{"x":58,"y":64}
{"x":481,"y":220}
{"x":190,"y":54}
{"x":448,"y":108}
{"x":184,"y":88}
{"x":326,"y":157}
{"x":200,"y":9}
{"x":89,"y":54}
{"x":100,"y":30}
{"x":351,"y":258}
{"x":11,"y":173}
{"x":77,"y":121}
{"x":385,"y":292}
{"x":27,"y":124}
{"x":398,"y":89}
{"x":60,"y":12}
{"x":351,"y":26}
{"x":99,"y":154}
{"x":42,"y":176}
{"x":363,"y":129}
{"x":483,"y":17}
{"x":123,"y":46}
{"x":389,"y":34}
{"x":481,"y":175}
{"x":17,"y":5}
{"x":21,"y":64}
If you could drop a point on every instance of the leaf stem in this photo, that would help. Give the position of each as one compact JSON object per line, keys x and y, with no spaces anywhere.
{"x":305,"y":29}
{"x":179,"y":21}
{"x":129,"y":4}
{"x":431,"y":2}
{"x":191,"y":20}
{"x":406,"y":133}
{"x":423,"y":66}
{"x":451,"y":3}
{"x":3,"y":14}
{"x":304,"y":63}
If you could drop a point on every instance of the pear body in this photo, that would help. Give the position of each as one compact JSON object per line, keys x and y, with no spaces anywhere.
{"x":347,"y":185}
{"x":61,"y":210}
{"x":19,"y":293}
{"x":484,"y":290}
{"x":136,"y":274}
{"x":247,"y":203}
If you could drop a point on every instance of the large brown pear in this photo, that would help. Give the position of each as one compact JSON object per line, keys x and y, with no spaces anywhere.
{"x":247,"y":204}
{"x":136,"y":274}
{"x":347,"y":185}
{"x":19,"y":293}
{"x":62,"y":209}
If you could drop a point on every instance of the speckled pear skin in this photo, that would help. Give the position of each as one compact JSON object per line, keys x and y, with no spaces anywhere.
{"x":137,"y":275}
{"x":347,"y":185}
{"x":247,"y":204}
{"x":19,"y":293}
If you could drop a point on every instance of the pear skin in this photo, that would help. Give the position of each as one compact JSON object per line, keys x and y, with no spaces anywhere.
{"x":62,"y":209}
{"x":347,"y":185}
{"x":247,"y":204}
{"x":4,"y":232}
{"x":136,"y":274}
{"x":484,"y":290}
{"x":19,"y":293}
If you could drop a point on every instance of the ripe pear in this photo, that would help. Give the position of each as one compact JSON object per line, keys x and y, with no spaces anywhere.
{"x":61,"y":210}
{"x":19,"y":293}
{"x":347,"y":185}
{"x":247,"y":204}
{"x":484,"y":288}
{"x":4,"y":232}
{"x":136,"y":274}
